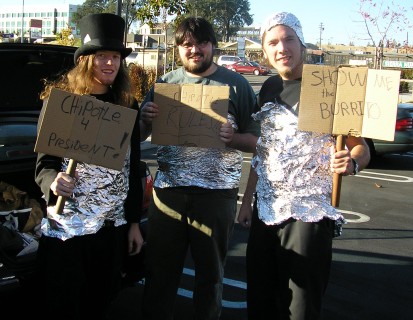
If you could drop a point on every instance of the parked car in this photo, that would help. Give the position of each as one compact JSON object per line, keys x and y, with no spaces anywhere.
{"x":25,"y":67}
{"x":226,"y":60}
{"x":403,"y":136}
{"x":249,"y":67}
{"x":21,"y":78}
{"x":257,"y":64}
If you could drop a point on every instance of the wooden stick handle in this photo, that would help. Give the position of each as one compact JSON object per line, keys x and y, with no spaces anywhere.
{"x":60,"y":203}
{"x":335,"y":196}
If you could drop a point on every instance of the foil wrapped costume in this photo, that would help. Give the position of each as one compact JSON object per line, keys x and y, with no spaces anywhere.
{"x":204,"y":167}
{"x":98,"y":196}
{"x":294,"y":177}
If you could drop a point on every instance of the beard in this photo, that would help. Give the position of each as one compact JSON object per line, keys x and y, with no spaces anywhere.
{"x":197,"y":67}
{"x":286,"y":73}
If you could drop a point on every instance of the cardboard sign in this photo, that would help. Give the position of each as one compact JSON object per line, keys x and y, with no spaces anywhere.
{"x":349,"y":100}
{"x":85,"y":129}
{"x":190,"y":114}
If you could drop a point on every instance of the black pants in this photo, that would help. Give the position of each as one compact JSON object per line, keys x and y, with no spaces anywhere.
{"x":182,"y":219}
{"x":288,"y":268}
{"x":81,"y":276}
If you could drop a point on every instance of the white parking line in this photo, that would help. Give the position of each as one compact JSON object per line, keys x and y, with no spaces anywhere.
{"x":225,"y":303}
{"x":241,"y":284}
{"x":382,"y":176}
{"x":361,"y":217}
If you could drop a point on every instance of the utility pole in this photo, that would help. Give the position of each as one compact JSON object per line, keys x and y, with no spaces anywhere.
{"x":119,"y":8}
{"x":129,"y":5}
{"x":321,"y":30}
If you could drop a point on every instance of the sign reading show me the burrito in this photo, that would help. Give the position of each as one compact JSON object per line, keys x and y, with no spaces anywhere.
{"x":349,"y":100}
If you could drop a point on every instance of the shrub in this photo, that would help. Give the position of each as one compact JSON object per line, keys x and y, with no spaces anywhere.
{"x":142,"y":79}
{"x":404,"y":87}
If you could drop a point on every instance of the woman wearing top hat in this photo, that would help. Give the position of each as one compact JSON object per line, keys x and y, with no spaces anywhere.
{"x":80,"y":251}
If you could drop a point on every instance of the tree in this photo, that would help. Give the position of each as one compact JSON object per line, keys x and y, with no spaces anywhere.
{"x":227,"y":16}
{"x":150,"y":11}
{"x":94,"y":6}
{"x":380,"y":20}
{"x":66,"y":38}
{"x":129,"y":9}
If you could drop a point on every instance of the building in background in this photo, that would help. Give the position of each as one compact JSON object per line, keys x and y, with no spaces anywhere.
{"x":155,"y":44}
{"x":54,"y":18}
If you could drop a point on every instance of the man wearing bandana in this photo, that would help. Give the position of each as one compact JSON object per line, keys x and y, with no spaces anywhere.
{"x":292,"y":222}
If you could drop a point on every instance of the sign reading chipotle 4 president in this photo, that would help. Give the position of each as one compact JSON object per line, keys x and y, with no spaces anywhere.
{"x":85,"y":129}
{"x":190,"y":114}
{"x":349,"y":100}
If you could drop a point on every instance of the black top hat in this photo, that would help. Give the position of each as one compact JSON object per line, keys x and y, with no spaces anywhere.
{"x":102,"y":31}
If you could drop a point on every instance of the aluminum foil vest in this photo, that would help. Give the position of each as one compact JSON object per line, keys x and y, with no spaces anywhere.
{"x":208,"y":168}
{"x":99,"y":195}
{"x":293,"y":167}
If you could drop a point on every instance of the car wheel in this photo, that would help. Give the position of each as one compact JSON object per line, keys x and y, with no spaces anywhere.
{"x":256,"y":72}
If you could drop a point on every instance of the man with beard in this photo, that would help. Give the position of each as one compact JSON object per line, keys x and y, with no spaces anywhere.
{"x":195,"y":190}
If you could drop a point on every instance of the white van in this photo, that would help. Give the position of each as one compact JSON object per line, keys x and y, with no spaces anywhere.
{"x":227,"y":60}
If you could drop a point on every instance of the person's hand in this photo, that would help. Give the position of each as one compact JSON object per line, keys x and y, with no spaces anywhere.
{"x":226,"y":132}
{"x":63,"y":185}
{"x":341,"y":162}
{"x":135,"y":239}
{"x":149,"y":111}
{"x":245,"y":215}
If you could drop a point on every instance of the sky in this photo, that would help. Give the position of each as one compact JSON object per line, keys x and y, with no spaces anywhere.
{"x":342,"y":23}
{"x":340,"y":20}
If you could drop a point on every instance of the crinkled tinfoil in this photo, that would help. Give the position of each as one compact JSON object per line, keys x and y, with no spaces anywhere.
{"x":208,"y":168}
{"x":99,"y":195}
{"x":295,"y":180}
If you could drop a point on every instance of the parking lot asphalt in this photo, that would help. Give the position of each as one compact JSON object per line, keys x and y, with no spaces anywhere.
{"x":363,"y":285}
{"x":371,"y":275}
{"x":372,"y":270}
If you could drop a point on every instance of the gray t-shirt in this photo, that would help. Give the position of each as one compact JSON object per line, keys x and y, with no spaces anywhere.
{"x":208,"y":167}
